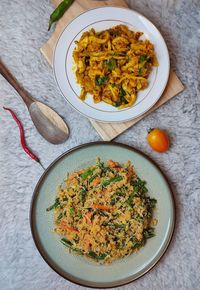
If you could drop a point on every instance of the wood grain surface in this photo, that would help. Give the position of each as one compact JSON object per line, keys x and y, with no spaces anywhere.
{"x":107,"y":131}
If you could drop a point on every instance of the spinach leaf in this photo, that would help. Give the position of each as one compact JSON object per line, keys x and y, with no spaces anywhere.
{"x":55,"y":205}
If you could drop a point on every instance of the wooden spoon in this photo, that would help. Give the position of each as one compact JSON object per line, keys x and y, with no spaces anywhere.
{"x":48,"y":123}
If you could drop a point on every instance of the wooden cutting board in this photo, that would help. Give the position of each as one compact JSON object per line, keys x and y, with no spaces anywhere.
{"x":107,"y":131}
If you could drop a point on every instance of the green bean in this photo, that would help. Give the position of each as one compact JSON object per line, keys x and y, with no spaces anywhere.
{"x":59,"y":11}
{"x":113,"y":179}
{"x":93,"y":255}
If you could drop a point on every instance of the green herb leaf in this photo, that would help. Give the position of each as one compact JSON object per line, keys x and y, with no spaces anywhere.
{"x":66,"y":242}
{"x":92,"y":178}
{"x":72,"y":211}
{"x":99,"y":81}
{"x":129,"y":201}
{"x":79,"y":214}
{"x":65,"y":198}
{"x":87,"y":173}
{"x":83,"y":195}
{"x":151,"y":202}
{"x":113,"y":201}
{"x":55,"y":205}
{"x":117,"y":226}
{"x":144,"y":58}
{"x":122,"y":100}
{"x":139,"y":219}
{"x":60,"y":216}
{"x":69,"y":245}
{"x":136,"y":245}
{"x":111,"y":64}
{"x":149,"y":233}
{"x":122,"y":92}
{"x":140,"y":71}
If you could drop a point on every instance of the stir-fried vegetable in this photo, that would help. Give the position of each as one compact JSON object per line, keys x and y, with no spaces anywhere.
{"x":104,"y":212}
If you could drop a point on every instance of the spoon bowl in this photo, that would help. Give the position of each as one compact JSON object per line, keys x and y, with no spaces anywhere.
{"x":48,"y":123}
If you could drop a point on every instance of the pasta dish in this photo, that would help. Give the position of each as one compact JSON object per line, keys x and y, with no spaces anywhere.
{"x":113,"y":65}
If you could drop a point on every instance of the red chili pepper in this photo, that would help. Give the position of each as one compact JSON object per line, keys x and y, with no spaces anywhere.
{"x":22,"y":137}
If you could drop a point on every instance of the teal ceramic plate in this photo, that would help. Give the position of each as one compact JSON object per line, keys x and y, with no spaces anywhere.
{"x":76,"y":268}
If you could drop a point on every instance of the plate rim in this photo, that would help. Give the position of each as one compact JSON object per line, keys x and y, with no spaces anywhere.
{"x":43,"y":252}
{"x":73,"y":106}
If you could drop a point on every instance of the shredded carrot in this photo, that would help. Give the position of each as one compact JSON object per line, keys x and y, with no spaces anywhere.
{"x":88,"y":217}
{"x":64,"y":226}
{"x":96,"y":181}
{"x":102,"y":207}
{"x":112,"y":164}
{"x":72,"y":176}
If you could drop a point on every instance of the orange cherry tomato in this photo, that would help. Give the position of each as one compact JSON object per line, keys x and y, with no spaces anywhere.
{"x":158,"y":140}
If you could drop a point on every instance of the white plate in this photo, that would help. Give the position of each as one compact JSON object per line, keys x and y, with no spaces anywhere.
{"x":100,"y":19}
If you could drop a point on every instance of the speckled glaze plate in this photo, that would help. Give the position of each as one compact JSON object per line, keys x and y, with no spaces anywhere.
{"x":100,"y":19}
{"x":76,"y":268}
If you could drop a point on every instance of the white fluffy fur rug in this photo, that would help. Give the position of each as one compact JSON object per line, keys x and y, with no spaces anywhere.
{"x":23,"y":30}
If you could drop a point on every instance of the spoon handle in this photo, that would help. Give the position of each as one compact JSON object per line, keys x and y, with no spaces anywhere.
{"x":14,"y":83}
